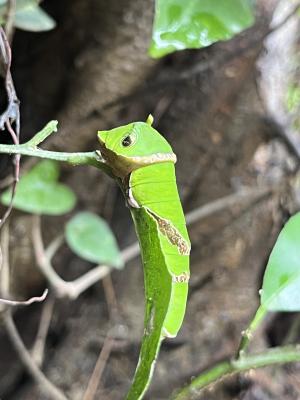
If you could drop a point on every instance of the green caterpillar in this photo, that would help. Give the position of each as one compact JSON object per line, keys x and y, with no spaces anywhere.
{"x":142,"y":162}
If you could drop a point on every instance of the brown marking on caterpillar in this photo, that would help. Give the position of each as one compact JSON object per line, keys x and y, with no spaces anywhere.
{"x":175,"y":238}
{"x":182,"y":278}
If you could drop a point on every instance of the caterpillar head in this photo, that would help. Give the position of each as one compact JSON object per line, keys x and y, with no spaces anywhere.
{"x":133,"y":146}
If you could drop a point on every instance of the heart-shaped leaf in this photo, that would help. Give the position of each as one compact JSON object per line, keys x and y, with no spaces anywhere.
{"x":90,"y":237}
{"x":281,"y":284}
{"x":194,"y":24}
{"x":38,"y":191}
{"x":33,"y":18}
{"x":29,"y":16}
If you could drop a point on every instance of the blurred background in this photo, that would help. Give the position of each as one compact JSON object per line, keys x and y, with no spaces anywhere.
{"x":231,"y":114}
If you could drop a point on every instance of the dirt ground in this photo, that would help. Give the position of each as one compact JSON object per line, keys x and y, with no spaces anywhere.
{"x":93,"y":73}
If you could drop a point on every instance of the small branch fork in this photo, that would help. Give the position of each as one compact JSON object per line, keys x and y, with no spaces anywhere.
{"x":30,"y":148}
{"x":63,"y":289}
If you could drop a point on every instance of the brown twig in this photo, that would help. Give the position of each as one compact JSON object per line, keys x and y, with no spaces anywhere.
{"x":62,"y":288}
{"x":37,"y":299}
{"x":38,"y":349}
{"x":245,"y":195}
{"x":12,"y":112}
{"x":110,"y":296}
{"x":99,"y":368}
{"x":4,"y":271}
{"x":52,"y":391}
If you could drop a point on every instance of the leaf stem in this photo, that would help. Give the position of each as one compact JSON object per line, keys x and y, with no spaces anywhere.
{"x":279,"y":355}
{"x":248,"y":333}
{"x":85,"y":158}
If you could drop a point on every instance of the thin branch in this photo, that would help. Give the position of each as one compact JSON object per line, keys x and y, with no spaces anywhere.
{"x":4,"y":267}
{"x":111,"y":298}
{"x":43,"y":134}
{"x":248,"y":195}
{"x":79,"y":158}
{"x":52,"y":391}
{"x":43,"y":262}
{"x":62,"y":288}
{"x":32,"y":300}
{"x":30,"y":149}
{"x":279,"y":355}
{"x":12,"y":112}
{"x":91,"y":277}
{"x":249,"y":332}
{"x":54,"y":246}
{"x":99,"y":368}
{"x":130,"y":252}
{"x":38,"y":349}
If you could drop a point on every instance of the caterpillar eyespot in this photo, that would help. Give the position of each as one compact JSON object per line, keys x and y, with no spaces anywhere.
{"x":128,"y":141}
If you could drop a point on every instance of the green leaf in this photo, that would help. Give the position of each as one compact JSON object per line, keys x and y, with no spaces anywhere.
{"x":33,"y":18}
{"x":38,"y":191}
{"x":29,"y":16}
{"x":194,"y":24}
{"x":90,"y":237}
{"x":281,"y":284}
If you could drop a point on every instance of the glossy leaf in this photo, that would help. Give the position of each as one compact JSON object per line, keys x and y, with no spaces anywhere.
{"x":33,"y":18}
{"x":281,"y":284}
{"x":194,"y":24}
{"x":90,"y":237}
{"x":29,"y":16}
{"x":38,"y":191}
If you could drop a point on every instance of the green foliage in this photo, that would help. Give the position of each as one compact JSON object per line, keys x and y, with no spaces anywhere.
{"x":38,"y":191}
{"x":281,"y":284}
{"x":29,"y":16}
{"x":193,"y":24}
{"x":90,"y":237}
